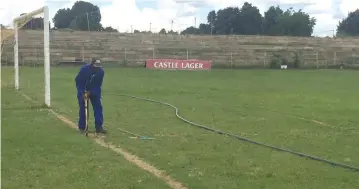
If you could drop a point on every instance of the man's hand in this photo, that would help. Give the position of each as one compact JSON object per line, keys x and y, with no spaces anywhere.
{"x":87,"y":94}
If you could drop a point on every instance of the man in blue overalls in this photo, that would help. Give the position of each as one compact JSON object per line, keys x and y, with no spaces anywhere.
{"x":89,"y":80}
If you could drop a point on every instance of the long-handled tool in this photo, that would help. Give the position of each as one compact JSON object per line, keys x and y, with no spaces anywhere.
{"x":86,"y":99}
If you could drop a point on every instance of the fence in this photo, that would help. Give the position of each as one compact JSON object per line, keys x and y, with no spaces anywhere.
{"x":33,"y":56}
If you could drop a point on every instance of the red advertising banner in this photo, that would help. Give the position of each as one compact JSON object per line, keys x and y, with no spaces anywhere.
{"x":174,"y":64}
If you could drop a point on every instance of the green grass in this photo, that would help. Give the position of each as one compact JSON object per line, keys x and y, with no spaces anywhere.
{"x":39,"y":151}
{"x":259,"y":104}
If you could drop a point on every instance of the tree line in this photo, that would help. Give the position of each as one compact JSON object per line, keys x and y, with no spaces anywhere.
{"x":82,"y":15}
{"x":248,"y":20}
{"x":244,"y":20}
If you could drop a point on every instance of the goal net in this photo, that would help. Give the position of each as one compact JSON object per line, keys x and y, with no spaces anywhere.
{"x":24,"y":45}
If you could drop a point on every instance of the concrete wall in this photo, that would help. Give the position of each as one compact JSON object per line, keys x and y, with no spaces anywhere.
{"x":225,"y":51}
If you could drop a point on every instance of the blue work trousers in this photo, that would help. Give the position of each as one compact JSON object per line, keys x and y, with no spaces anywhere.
{"x":97,"y":109}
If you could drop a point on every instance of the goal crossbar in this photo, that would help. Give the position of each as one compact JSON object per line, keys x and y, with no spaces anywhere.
{"x":30,"y":14}
{"x":18,"y":22}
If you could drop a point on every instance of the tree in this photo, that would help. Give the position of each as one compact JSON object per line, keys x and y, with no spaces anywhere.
{"x":298,"y":23}
{"x":87,"y":15}
{"x":211,"y":19}
{"x":232,"y":20}
{"x":349,"y":25}
{"x":204,"y":29}
{"x":226,"y":19}
{"x":82,"y":16}
{"x":63,"y":18}
{"x":73,"y":25}
{"x":163,"y":31}
{"x":248,"y":21}
{"x":190,"y":30}
{"x":109,"y":29}
{"x":271,"y":20}
{"x":172,"y":32}
{"x":34,"y":23}
{"x":289,"y":23}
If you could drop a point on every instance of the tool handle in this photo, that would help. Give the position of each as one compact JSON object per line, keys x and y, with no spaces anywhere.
{"x":86,"y":95}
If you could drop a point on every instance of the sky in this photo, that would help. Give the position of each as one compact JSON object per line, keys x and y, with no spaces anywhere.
{"x":128,"y":15}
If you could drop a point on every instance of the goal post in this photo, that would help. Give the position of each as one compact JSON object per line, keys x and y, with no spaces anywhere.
{"x":18,"y":23}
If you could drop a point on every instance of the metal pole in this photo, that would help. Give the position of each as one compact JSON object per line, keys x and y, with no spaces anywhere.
{"x":83,"y":53}
{"x":47,"y":56}
{"x":88,"y":22}
{"x":0,"y":44}
{"x":335,"y":58}
{"x":171,"y":26}
{"x":265,"y":59}
{"x":125,"y":54}
{"x":211,"y":24}
{"x":231,"y":60}
{"x":353,"y":57}
{"x":16,"y":56}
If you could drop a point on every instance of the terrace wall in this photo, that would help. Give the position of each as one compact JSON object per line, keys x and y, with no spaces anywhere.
{"x":224,"y":51}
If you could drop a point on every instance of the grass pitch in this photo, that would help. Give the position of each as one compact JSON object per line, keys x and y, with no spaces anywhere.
{"x":314,"y":112}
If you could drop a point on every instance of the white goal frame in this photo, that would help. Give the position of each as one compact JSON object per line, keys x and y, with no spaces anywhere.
{"x":45,"y":11}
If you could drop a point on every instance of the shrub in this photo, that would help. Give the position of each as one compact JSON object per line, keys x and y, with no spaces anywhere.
{"x":125,"y":63}
{"x":284,"y":61}
{"x":296,"y":62}
{"x":275,"y":62}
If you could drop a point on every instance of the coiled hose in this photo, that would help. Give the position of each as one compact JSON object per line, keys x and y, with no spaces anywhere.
{"x":241,"y":138}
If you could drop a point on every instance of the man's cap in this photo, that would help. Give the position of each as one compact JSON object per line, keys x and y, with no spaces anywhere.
{"x":96,"y":63}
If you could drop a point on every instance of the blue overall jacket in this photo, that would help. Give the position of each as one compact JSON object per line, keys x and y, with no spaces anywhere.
{"x":89,"y":80}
